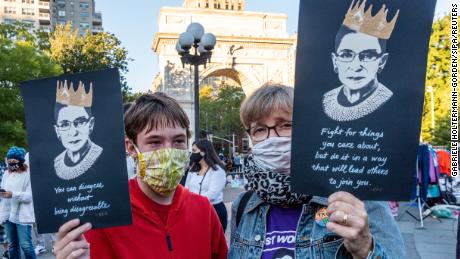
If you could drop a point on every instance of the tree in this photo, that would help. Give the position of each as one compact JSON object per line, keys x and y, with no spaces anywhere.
{"x":88,"y":52}
{"x":442,"y":132}
{"x":220,"y":112}
{"x":22,"y":57}
{"x":438,"y":77}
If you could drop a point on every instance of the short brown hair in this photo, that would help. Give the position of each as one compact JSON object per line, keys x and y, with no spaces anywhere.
{"x":265,"y":100}
{"x":153,"y":111}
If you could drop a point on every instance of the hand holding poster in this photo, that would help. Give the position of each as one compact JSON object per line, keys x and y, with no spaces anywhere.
{"x":360,"y":76}
{"x":78,"y":170}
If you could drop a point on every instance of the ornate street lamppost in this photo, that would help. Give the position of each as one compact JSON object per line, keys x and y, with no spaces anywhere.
{"x":194,"y":46}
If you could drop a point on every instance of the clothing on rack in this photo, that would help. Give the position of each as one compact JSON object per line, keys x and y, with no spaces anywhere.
{"x":428,"y":171}
{"x":444,"y":161}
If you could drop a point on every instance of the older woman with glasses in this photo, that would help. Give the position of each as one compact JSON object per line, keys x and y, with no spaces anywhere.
{"x":269,"y":220}
{"x":357,"y":60}
{"x":74,"y":125}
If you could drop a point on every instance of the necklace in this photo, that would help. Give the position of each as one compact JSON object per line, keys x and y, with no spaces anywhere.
{"x":66,"y":172}
{"x":338,"y":112}
{"x":201,"y":183}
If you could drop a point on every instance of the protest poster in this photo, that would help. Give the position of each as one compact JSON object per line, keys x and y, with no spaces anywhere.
{"x":77,"y":158}
{"x":359,"y":90}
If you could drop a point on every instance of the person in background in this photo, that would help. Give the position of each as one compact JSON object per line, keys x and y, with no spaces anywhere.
{"x":207,"y":177}
{"x":229,"y":165}
{"x":169,"y":221}
{"x":273,"y":218}
{"x":222,"y":158}
{"x":16,"y":207}
{"x":237,"y":162}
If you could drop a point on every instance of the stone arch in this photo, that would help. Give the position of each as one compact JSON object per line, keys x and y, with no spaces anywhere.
{"x":227,"y":72}
{"x":247,"y":82}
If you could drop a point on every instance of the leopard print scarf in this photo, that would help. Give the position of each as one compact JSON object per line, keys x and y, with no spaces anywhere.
{"x":271,"y":187}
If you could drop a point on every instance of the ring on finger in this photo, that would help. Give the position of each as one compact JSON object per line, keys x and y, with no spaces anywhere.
{"x":345,"y":219}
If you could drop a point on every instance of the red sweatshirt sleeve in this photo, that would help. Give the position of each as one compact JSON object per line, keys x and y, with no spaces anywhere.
{"x":219,"y":247}
{"x":99,"y":245}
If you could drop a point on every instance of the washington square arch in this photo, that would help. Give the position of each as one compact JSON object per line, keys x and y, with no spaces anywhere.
{"x":252,"y":48}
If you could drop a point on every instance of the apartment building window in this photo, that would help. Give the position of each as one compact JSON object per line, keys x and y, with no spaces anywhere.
{"x":62,"y":22}
{"x":84,"y":5}
{"x":28,"y":11}
{"x":9,"y":21}
{"x":28,"y":1}
{"x":84,"y":25}
{"x":71,"y":3}
{"x":28,"y":22}
{"x":61,"y":13}
{"x":10,"y":10}
{"x":84,"y":14}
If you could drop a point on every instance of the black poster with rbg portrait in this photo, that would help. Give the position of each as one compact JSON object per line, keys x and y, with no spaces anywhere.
{"x":360,"y":79}
{"x":77,"y":159}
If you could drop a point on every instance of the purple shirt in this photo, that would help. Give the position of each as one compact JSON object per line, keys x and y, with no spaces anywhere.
{"x":281,"y":229}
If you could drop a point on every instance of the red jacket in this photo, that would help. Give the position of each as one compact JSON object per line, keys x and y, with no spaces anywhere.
{"x":444,"y":162}
{"x":193,"y":230}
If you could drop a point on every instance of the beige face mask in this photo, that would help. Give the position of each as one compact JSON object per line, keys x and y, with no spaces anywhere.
{"x":273,"y":154}
{"x":162,"y":169}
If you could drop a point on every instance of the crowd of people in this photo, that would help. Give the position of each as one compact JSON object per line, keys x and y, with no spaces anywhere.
{"x":188,"y":220}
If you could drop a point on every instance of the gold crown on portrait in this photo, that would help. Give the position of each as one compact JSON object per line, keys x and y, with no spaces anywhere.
{"x":68,"y":96}
{"x":360,"y":20}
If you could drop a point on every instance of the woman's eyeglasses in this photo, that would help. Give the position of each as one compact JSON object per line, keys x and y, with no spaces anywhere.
{"x":261,"y":132}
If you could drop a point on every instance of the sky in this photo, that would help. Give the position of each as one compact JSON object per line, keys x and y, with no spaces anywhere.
{"x":135,"y":24}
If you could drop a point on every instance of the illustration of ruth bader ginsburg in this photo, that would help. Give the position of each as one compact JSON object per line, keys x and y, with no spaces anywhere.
{"x":360,"y":54}
{"x":74,"y":125}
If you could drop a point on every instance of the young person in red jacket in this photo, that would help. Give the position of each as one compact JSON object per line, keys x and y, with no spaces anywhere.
{"x":168,"y":220}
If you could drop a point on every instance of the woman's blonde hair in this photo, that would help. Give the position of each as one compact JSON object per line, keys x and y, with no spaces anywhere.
{"x":265,"y":100}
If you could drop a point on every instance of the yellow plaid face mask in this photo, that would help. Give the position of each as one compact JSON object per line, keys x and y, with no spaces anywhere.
{"x":162,"y":169}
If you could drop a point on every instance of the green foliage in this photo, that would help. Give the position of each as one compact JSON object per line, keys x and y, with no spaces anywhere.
{"x":88,"y":52}
{"x":22,"y":57}
{"x":442,"y":132}
{"x":438,"y":77}
{"x":131,"y":97}
{"x":26,"y":54}
{"x":220,"y":114}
